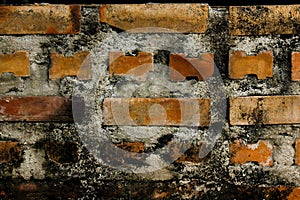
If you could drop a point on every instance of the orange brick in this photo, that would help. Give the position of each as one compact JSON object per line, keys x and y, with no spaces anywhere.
{"x":182,"y":67}
{"x":10,"y":152}
{"x":264,"y":20}
{"x":295,"y":194}
{"x":135,"y":147}
{"x":296,"y":66}
{"x":192,"y":17}
{"x":50,"y":19}
{"x":17,"y":63}
{"x":77,"y":65}
{"x":240,"y":65}
{"x":260,"y":153}
{"x":156,"y":111}
{"x":265,"y":110}
{"x":137,"y":66}
{"x":38,"y":108}
{"x":297,"y":147}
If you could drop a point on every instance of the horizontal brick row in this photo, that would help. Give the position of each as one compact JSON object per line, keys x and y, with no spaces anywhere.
{"x":264,"y":20}
{"x":38,"y":108}
{"x":156,"y":111}
{"x":50,"y":19}
{"x":180,"y":66}
{"x":193,"y":18}
{"x":264,"y":110}
{"x":156,"y":17}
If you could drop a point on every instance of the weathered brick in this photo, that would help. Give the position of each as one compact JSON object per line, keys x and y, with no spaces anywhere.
{"x":260,"y":153}
{"x":77,"y":65}
{"x":182,"y":67}
{"x":295,"y":194}
{"x":156,"y":111}
{"x":297,"y":148}
{"x":153,"y":17}
{"x":265,"y":110}
{"x":10,"y":152}
{"x":135,"y":147}
{"x":17,"y":63}
{"x":36,"y":108}
{"x":61,"y":152}
{"x":137,"y":66}
{"x":240,"y":65}
{"x":263,"y":20}
{"x":49,"y":19}
{"x":296,"y":66}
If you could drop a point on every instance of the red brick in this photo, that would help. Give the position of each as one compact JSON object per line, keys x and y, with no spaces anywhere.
{"x":240,"y":65}
{"x":137,"y":66}
{"x":265,"y":110}
{"x":36,"y":108}
{"x":264,"y":20}
{"x":17,"y":63}
{"x":49,"y":19}
{"x":10,"y":152}
{"x":260,"y":153}
{"x":297,"y":147}
{"x":77,"y":65}
{"x":296,"y":66}
{"x":295,"y":194}
{"x":150,"y":17}
{"x":156,"y":111}
{"x":182,"y":67}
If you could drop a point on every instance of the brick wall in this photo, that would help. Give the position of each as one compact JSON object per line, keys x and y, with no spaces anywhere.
{"x":145,"y":96}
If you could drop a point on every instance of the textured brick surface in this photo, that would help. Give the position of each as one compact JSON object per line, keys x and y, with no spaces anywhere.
{"x":61,"y":152}
{"x":296,"y":66}
{"x":192,"y":19}
{"x":156,"y":111}
{"x":294,"y":195}
{"x":17,"y":63}
{"x":10,"y":152}
{"x":240,"y":65}
{"x":77,"y":65}
{"x":263,"y":20}
{"x":265,"y":110}
{"x":50,"y":19}
{"x":182,"y":67}
{"x":260,"y":153}
{"x":137,"y":66}
{"x":297,"y":149}
{"x":35,"y":108}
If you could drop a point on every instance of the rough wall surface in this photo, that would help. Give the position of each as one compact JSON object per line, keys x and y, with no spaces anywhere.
{"x":71,"y":77}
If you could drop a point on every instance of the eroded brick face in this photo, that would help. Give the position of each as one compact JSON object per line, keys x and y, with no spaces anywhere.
{"x":296,"y":66}
{"x":241,"y":65}
{"x":264,"y":20}
{"x":10,"y":152}
{"x":17,"y":63}
{"x":297,"y":149}
{"x":77,"y":65}
{"x":260,"y":153}
{"x":135,"y":66}
{"x":156,"y":111}
{"x":156,"y":17}
{"x":265,"y":110}
{"x":50,"y":19}
{"x":182,"y":67}
{"x":36,"y":108}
